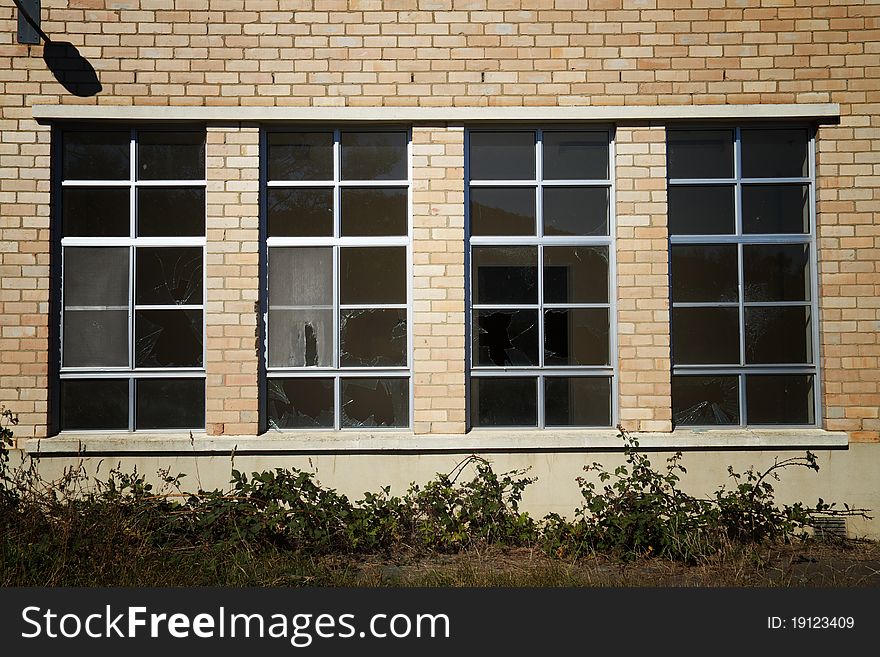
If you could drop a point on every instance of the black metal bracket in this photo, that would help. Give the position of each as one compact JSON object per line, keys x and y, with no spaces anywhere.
{"x":29,"y":22}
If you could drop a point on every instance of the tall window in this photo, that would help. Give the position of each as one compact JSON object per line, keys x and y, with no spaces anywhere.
{"x":132,"y":208}
{"x":540,"y":224}
{"x":742,"y":251}
{"x":338,"y":226}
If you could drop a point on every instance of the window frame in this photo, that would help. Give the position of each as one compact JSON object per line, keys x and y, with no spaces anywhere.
{"x":335,"y":242}
{"x":132,"y":243}
{"x":739,"y":239}
{"x":539,"y":241}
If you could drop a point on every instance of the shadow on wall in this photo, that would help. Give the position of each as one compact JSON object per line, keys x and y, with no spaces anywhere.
{"x":71,"y":69}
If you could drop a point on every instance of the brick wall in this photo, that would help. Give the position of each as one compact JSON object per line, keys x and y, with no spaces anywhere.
{"x":458,"y":53}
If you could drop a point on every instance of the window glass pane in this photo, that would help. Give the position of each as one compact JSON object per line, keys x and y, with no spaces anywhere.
{"x":576,"y":274}
{"x":300,"y":276}
{"x":171,"y":155}
{"x":171,"y":275}
{"x":700,"y":153}
{"x":300,"y":212}
{"x":701,"y":210}
{"x":300,"y":403}
{"x":504,"y":402}
{"x":300,"y":338}
{"x":583,"y":401}
{"x":372,"y":338}
{"x":95,"y":338}
{"x":170,"y":403}
{"x":705,"y":336}
{"x":502,"y":155}
{"x":575,"y":211}
{"x":96,"y":276}
{"x":505,"y":274}
{"x":774,"y":153}
{"x":171,"y":211}
{"x":502,"y":210}
{"x":372,"y":275}
{"x":95,"y":212}
{"x":780,"y":399}
{"x":704,"y":272}
{"x":369,"y":211}
{"x":776,"y":209}
{"x":168,"y":338}
{"x":94,"y":404}
{"x":779,"y":335}
{"x":776,"y":272}
{"x":576,"y":336}
{"x":97,"y":155}
{"x":375,"y":402}
{"x":374,"y":156}
{"x":300,"y":155}
{"x":705,"y":400}
{"x":575,"y":155}
{"x":505,"y":338}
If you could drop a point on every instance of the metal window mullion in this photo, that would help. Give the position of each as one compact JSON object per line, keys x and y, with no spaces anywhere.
{"x":612,"y":277}
{"x":195,"y":183}
{"x":741,"y":287}
{"x":818,"y":402}
{"x":539,"y":232}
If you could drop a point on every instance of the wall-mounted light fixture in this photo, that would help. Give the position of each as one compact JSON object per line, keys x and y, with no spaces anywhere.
{"x":29,"y":21}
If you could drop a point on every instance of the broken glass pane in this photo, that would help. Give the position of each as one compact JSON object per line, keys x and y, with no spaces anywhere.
{"x":169,"y":275}
{"x":300,"y":155}
{"x":575,"y":210}
{"x":371,"y":211}
{"x":95,"y":212}
{"x":780,"y":399}
{"x":96,"y":276}
{"x":502,"y":156}
{"x":300,"y":338}
{"x":705,"y":400}
{"x":168,"y":338}
{"x":776,"y":272}
{"x":504,"y":401}
{"x":95,"y":338}
{"x":300,"y":212}
{"x":505,"y":274}
{"x":576,"y":274}
{"x":777,"y":153}
{"x":170,"y":403}
{"x":701,"y":210}
{"x":372,"y":275}
{"x":301,"y":276}
{"x":375,"y":402}
{"x":575,"y":155}
{"x":94,"y":404}
{"x":576,"y":336}
{"x":779,"y":335}
{"x":583,"y":401}
{"x":374,"y":155}
{"x":702,"y":336}
{"x":505,"y":338}
{"x":300,"y":403}
{"x":174,"y":155}
{"x":776,"y":209}
{"x":96,"y":155}
{"x":704,"y":272}
{"x":699,"y":153}
{"x":372,"y":338}
{"x":502,"y":210}
{"x":171,"y":211}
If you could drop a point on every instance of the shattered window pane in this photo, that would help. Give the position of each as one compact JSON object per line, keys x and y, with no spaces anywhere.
{"x":176,"y":155}
{"x":170,"y":403}
{"x":701,"y":209}
{"x":99,"y":155}
{"x":780,"y":399}
{"x":502,"y":155}
{"x":705,"y":336}
{"x":776,"y":272}
{"x":372,"y":338}
{"x":575,"y":210}
{"x":169,"y":275}
{"x":168,"y":338}
{"x":779,"y":334}
{"x":504,"y":401}
{"x":505,"y":338}
{"x":95,"y":338}
{"x":374,"y":155}
{"x":374,"y":211}
{"x":704,"y":272}
{"x":300,"y":276}
{"x":300,"y":212}
{"x":300,"y":403}
{"x":705,"y":400}
{"x":575,"y":274}
{"x":300,"y":155}
{"x":575,"y":155}
{"x":171,"y":211}
{"x":96,"y":276}
{"x":581,"y":401}
{"x":699,"y":153}
{"x":375,"y":402}
{"x":300,"y":338}
{"x":502,"y":210}
{"x":94,"y":404}
{"x":95,"y":211}
{"x":776,"y":209}
{"x":372,"y":275}
{"x":505,"y":275}
{"x":576,"y":336}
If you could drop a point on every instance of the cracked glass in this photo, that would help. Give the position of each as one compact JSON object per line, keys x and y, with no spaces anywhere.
{"x":704,"y":272}
{"x":776,"y":272}
{"x":575,"y":274}
{"x":375,"y":402}
{"x":505,"y":274}
{"x":169,"y":275}
{"x":576,"y":336}
{"x":505,"y":338}
{"x":372,"y":338}
{"x":705,"y":400}
{"x":780,"y":334}
{"x":300,"y":403}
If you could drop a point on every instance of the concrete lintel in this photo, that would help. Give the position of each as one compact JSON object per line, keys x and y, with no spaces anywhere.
{"x":476,"y":441}
{"x":439,"y":114}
